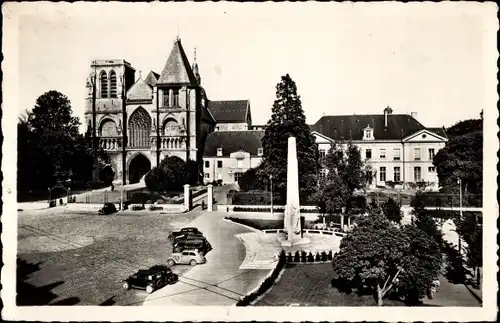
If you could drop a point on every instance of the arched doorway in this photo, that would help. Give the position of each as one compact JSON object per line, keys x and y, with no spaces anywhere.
{"x":138,"y":167}
{"x":140,"y":129}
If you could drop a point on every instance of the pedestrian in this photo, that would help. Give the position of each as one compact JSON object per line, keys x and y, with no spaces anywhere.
{"x":202,"y":205}
{"x":112,"y":187}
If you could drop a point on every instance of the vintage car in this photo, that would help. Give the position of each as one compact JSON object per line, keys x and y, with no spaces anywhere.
{"x":108,"y":208}
{"x":151,"y":279}
{"x":184,"y":232}
{"x":199,"y":243}
{"x":191,"y":257}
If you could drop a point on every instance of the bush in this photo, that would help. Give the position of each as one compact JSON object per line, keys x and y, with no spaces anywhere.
{"x":323,"y":256}
{"x":254,"y":198}
{"x":149,"y":202}
{"x":296,"y":257}
{"x":175,"y":170}
{"x":357,"y":205}
{"x":390,"y":184}
{"x":249,"y":180}
{"x":303,"y":256}
{"x":330,"y":255}
{"x":310,"y":257}
{"x":155,"y":208}
{"x":318,"y":257}
{"x":289,"y":258}
{"x":156,"y":180}
{"x":192,"y":170}
{"x":160,"y":201}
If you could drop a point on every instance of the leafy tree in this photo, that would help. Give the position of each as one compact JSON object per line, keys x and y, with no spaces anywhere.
{"x":379,"y":255}
{"x":287,"y":120}
{"x":156,"y":180}
{"x":249,"y":180}
{"x":192,"y":172}
{"x":332,"y":195}
{"x":471,"y":231}
{"x":373,"y":207}
{"x":392,"y":210}
{"x":357,"y":205}
{"x":462,"y":157}
{"x":352,"y":171}
{"x":175,"y":171}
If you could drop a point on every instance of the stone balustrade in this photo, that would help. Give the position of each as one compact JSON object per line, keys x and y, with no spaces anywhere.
{"x":110,"y":143}
{"x":171,"y":142}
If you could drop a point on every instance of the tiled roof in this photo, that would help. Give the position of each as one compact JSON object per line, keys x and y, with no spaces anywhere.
{"x":152,"y":78}
{"x":229,"y":111}
{"x":438,"y":131}
{"x":177,"y":70}
{"x":351,"y":126}
{"x":140,"y":91}
{"x":233,"y":141}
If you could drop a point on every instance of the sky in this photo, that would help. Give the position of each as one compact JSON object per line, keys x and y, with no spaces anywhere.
{"x":345,"y":58}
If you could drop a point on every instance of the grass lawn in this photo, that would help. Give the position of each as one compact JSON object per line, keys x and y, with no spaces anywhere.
{"x":310,"y":285}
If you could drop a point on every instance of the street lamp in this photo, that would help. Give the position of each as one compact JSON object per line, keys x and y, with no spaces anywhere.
{"x":124,"y":131}
{"x":459,"y":181}
{"x":271,"y":179}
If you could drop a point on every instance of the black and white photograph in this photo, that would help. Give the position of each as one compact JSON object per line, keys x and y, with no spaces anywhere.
{"x":249,"y":161}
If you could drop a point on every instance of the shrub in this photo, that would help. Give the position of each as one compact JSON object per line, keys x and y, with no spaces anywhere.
{"x":310,"y":257}
{"x":323,"y":256}
{"x":175,"y":171}
{"x":303,"y":256}
{"x":156,"y":180}
{"x":192,"y":170}
{"x":318,"y":257}
{"x":289,"y":258}
{"x":296,"y":257}
{"x":155,"y":208}
{"x":391,"y":184}
{"x":149,"y":202}
{"x":357,"y":205}
{"x":330,"y":255}
{"x":139,"y":198}
{"x":249,"y":180}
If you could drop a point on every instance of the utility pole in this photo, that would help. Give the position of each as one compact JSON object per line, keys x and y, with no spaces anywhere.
{"x":124,"y":132}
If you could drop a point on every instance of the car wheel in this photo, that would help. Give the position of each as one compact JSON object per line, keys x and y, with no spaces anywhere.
{"x":170,"y":262}
{"x":149,"y":289}
{"x":193,"y":262}
{"x":125,"y":285}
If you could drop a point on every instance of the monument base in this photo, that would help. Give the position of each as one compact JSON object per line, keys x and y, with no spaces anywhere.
{"x":295,"y":242}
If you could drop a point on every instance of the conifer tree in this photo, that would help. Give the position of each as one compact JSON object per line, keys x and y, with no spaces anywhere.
{"x":287,"y":120}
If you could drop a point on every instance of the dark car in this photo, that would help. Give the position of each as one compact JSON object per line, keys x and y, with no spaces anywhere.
{"x":108,"y":208}
{"x":151,"y":279}
{"x":184,"y":232}
{"x":192,"y":243}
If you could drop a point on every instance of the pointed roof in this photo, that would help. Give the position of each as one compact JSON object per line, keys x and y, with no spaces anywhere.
{"x":177,"y":70}
{"x":152,"y":78}
{"x":140,"y":91}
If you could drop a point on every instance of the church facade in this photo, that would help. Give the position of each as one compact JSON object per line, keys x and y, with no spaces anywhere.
{"x":149,"y":118}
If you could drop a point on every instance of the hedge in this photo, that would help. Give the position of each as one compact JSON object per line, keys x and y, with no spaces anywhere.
{"x":268,"y":209}
{"x":253,"y":198}
{"x":268,"y":283}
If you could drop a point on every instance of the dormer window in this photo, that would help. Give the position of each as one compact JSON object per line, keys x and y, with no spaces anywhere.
{"x":260,"y":151}
{"x":219,"y":151}
{"x":368,"y":133}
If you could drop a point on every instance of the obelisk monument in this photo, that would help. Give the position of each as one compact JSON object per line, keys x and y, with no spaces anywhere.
{"x":292,"y":209}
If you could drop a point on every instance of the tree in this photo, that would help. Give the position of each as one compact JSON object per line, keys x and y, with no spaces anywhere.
{"x":287,"y":120}
{"x":352,"y":170}
{"x":156,"y":180}
{"x":249,"y":180}
{"x":175,"y":171}
{"x":462,"y":157}
{"x":379,"y":255}
{"x":332,"y":195}
{"x":192,"y":172}
{"x":471,"y":231}
{"x":373,"y":207}
{"x":424,"y":220}
{"x":392,"y":210}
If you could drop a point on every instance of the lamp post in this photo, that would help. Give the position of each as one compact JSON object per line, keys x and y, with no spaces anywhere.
{"x":124,"y":131}
{"x":459,"y":181}
{"x":68,"y":190}
{"x":271,"y":179}
{"x":93,"y":81}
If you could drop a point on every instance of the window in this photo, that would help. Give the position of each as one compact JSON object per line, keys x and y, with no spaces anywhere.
{"x":368,"y":134}
{"x":382,"y":174}
{"x":322,"y":175}
{"x":416,"y":154}
{"x":239,"y":163}
{"x":382,"y":153}
{"x":432,"y":169}
{"x":396,"y":153}
{"x":368,"y":154}
{"x":432,"y":153}
{"x":207,"y":175}
{"x":219,"y":151}
{"x":322,"y":155}
{"x":219,"y":164}
{"x":112,"y":84}
{"x":207,"y":163}
{"x":237,"y":177}
{"x":260,"y":151}
{"x":175,"y":102}
{"x":397,"y":174}
{"x":417,"y":174}
{"x":166,"y":102}
{"x":104,"y":84}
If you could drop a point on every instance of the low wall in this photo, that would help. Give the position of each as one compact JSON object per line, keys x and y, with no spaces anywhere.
{"x":309,"y":231}
{"x":277,"y":214}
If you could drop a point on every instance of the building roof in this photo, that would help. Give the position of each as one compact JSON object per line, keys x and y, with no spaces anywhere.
{"x":140,"y":91}
{"x":177,"y":70}
{"x":152,"y":78}
{"x":229,"y":111}
{"x":233,"y":141}
{"x":351,"y":126}
{"x":439,"y":131}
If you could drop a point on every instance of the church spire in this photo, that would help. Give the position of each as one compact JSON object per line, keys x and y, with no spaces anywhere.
{"x":196,"y":71}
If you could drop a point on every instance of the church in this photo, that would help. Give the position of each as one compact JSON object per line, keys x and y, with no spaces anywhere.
{"x":138,"y":122}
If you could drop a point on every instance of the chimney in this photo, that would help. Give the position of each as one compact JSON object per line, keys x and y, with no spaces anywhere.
{"x":414,"y":115}
{"x":387,"y":111}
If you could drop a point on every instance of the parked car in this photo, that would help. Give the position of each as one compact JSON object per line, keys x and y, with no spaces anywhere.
{"x":108,"y":208}
{"x":150,"y":279}
{"x":192,"y":242}
{"x":191,"y":257}
{"x":184,"y":231}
